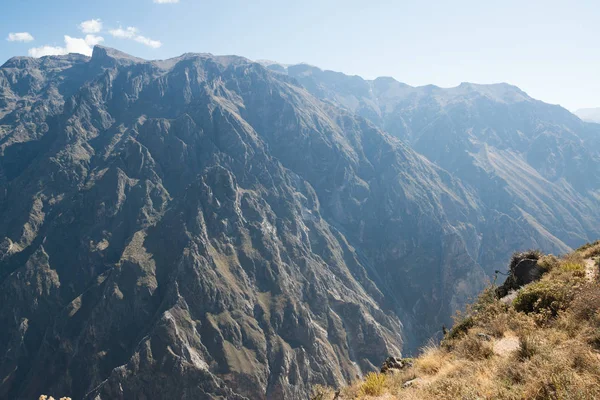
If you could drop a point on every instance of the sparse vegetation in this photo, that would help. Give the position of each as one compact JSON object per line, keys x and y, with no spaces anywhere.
{"x":590,"y":250}
{"x":545,"y":344}
{"x":548,"y":262}
{"x":320,"y":392}
{"x":576,"y":268}
{"x":529,"y":347}
{"x":461,"y":327}
{"x":543,"y":297}
{"x":374,"y":384}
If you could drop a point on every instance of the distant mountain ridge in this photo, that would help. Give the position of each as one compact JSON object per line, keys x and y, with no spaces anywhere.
{"x":528,"y":160}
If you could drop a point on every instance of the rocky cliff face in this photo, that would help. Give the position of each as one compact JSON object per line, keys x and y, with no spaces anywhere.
{"x":535,"y":167}
{"x":203,"y":227}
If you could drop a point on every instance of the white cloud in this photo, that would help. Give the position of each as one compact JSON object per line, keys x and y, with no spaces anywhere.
{"x":128,"y":33}
{"x":20,"y":37}
{"x":166,"y":1}
{"x":72,"y":45}
{"x":47,"y":51}
{"x":85,"y":45}
{"x":132,"y":33}
{"x":91,"y":26}
{"x":155,"y":44}
{"x":92,"y":40}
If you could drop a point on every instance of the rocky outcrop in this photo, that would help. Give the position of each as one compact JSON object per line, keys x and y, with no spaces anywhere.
{"x":523,"y":269}
{"x":395,"y":364}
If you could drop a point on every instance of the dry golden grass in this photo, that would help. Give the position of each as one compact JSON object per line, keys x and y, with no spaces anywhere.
{"x":431,"y":360}
{"x":556,"y":324}
{"x":374,"y":384}
{"x":589,"y":250}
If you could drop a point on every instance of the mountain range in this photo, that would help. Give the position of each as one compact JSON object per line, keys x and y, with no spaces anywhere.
{"x":211,"y":227}
{"x":534,"y":165}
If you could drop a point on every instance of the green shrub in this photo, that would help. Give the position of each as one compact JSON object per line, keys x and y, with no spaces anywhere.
{"x":542,"y":296}
{"x":461,"y":327}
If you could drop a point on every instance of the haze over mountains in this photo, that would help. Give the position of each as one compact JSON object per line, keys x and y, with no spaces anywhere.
{"x":208,"y":227}
{"x":589,"y":114}
{"x":535,"y":166}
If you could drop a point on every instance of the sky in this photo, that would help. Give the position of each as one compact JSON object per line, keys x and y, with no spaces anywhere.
{"x":550,"y":49}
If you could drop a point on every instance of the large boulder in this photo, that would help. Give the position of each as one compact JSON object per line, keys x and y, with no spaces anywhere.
{"x":392,"y":364}
{"x":523,"y":269}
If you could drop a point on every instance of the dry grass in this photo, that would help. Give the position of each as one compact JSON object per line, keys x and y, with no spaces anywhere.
{"x":557,"y":323}
{"x":374,"y":384}
{"x":590,"y":250}
{"x":431,"y":360}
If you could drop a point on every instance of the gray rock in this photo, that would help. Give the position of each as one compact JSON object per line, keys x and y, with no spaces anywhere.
{"x":394,"y":364}
{"x":411,"y":383}
{"x":523,"y":269}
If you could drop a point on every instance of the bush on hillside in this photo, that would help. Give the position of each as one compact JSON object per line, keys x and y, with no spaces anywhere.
{"x":543,"y":296}
{"x":517,"y":257}
{"x":461,"y":327}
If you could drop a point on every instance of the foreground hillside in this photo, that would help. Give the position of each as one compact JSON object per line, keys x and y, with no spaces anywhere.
{"x":539,"y":342}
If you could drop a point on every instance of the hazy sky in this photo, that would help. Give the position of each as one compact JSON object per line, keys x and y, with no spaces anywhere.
{"x":550,"y":49}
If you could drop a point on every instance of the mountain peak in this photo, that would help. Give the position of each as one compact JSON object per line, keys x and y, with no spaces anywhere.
{"x":105,"y":53}
{"x":500,"y":92}
{"x":22,"y":62}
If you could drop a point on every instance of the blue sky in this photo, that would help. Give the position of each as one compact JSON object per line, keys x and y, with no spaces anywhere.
{"x":550,"y":49}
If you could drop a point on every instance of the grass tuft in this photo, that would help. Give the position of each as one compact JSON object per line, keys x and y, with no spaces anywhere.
{"x":374,"y":384}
